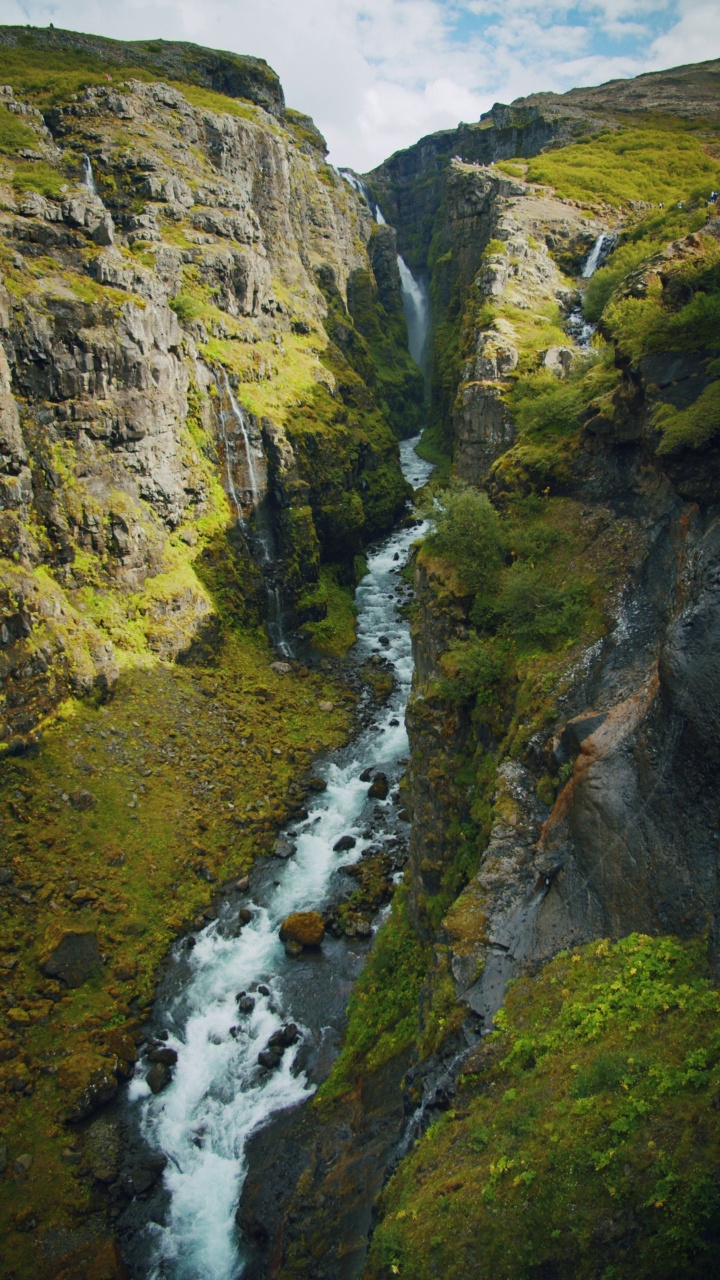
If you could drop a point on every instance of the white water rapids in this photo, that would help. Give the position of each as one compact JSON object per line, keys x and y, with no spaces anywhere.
{"x":219,"y":1094}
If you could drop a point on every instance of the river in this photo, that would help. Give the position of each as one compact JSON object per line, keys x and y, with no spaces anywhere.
{"x":219,"y":1094}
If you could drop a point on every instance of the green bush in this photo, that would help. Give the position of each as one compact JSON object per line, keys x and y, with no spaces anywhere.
{"x":689,"y":428}
{"x":186,"y":307}
{"x":531,"y":609}
{"x":467,"y":532}
{"x":472,"y":670}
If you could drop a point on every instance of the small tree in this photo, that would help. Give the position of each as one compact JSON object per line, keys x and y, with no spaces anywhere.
{"x":466,"y":530}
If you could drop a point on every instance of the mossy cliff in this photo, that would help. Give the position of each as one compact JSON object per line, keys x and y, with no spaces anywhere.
{"x":563,"y":727}
{"x":180,"y":269}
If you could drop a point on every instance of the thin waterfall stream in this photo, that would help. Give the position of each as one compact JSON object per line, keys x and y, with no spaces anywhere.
{"x":223,"y":999}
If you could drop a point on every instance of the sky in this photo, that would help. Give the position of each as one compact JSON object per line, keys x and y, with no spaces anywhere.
{"x":376,"y":75}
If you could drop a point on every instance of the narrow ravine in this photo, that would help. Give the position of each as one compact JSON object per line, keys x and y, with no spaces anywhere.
{"x":219,"y":1093}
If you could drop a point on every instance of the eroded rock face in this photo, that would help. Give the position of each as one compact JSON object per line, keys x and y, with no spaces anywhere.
{"x":112,"y":474}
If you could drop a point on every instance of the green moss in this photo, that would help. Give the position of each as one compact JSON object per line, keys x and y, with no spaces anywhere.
{"x":14,"y":133}
{"x":331,"y":611}
{"x":493,"y":248}
{"x":592,"y":1108}
{"x":382,"y":1013}
{"x":35,"y":175}
{"x":208,"y":100}
{"x":690,"y":428}
{"x":662,"y":160}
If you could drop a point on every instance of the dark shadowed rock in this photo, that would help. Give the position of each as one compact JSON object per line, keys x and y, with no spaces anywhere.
{"x":345,"y":842}
{"x":379,"y":787}
{"x":71,"y":956}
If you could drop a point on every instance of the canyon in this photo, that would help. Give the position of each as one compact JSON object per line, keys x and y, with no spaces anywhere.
{"x":358,"y":563}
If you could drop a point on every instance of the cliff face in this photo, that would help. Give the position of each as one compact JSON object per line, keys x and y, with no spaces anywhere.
{"x":202,"y":245}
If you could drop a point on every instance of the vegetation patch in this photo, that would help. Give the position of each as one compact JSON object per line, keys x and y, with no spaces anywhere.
{"x":584,"y":1140}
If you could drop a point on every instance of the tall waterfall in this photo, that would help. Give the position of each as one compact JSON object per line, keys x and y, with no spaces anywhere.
{"x":237,"y":413}
{"x":88,"y":176}
{"x":416,"y":306}
{"x":415,"y":299}
{"x":252,"y":504}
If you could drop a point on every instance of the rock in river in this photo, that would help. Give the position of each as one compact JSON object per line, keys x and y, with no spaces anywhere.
{"x":305,"y":927}
{"x":379,"y":787}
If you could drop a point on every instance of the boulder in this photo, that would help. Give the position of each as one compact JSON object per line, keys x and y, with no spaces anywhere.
{"x":316,"y":784}
{"x":168,"y":1057}
{"x":86,"y":1081}
{"x":83,"y":800}
{"x":70,"y":955}
{"x":158,"y":1076}
{"x":284,"y":848}
{"x":345,"y":842}
{"x":102,"y":1149}
{"x":281,"y":668}
{"x":558,"y":360}
{"x":304,"y":927}
{"x":379,"y":787}
{"x":271,"y":1057}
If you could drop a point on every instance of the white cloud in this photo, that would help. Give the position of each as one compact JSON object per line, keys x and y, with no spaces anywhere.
{"x":378,"y":74}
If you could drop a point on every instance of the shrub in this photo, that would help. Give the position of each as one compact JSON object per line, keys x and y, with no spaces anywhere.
{"x":467,"y":532}
{"x":472,"y":669}
{"x":689,"y":428}
{"x":186,"y":307}
{"x":532,"y":610}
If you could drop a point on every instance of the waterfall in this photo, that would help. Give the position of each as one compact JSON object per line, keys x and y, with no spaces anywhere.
{"x":593,"y":260}
{"x":261,"y":537}
{"x":415,"y":300}
{"x":88,"y":177}
{"x":239,"y":417}
{"x":417,"y":312}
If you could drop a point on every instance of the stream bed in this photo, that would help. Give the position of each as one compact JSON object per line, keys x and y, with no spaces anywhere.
{"x":219,"y":1094}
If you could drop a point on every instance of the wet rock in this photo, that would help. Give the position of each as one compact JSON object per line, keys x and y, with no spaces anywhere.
{"x":102,"y":1149}
{"x":305,"y":927}
{"x":394,"y":722}
{"x":379,"y":787}
{"x":293,"y":949}
{"x":270,"y":1058}
{"x":284,"y":1037}
{"x":345,"y":842}
{"x":367,"y":774}
{"x":168,"y":1057}
{"x":158,"y":1077}
{"x":263,"y":989}
{"x":145,"y":1174}
{"x":284,"y":848}
{"x":243,"y":884}
{"x":314,"y":783}
{"x":245,"y":1003}
{"x":384,"y":641}
{"x":85,"y":1081}
{"x":70,"y":955}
